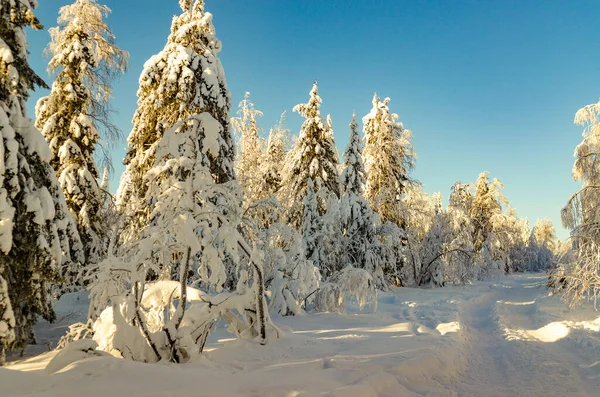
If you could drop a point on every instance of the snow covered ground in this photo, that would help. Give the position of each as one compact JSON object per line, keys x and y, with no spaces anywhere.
{"x":502,"y":338}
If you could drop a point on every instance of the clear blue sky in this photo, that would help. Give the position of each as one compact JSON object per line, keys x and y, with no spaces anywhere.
{"x":483,"y":85}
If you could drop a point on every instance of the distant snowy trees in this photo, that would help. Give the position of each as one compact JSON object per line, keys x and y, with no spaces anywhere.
{"x":85,"y":58}
{"x":542,"y":245}
{"x":251,"y":154}
{"x":381,"y":221}
{"x":39,"y":243}
{"x":479,"y":236}
{"x":486,"y":203}
{"x":274,"y":162}
{"x":459,"y":267}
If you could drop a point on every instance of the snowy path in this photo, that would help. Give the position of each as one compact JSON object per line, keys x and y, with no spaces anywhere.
{"x":513,"y":367}
{"x":503,"y":338}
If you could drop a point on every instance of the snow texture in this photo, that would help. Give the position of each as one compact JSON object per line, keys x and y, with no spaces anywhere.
{"x":495,"y":339}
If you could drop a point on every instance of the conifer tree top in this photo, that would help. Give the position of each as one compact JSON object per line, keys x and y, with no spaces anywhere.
{"x":194,"y":23}
{"x":312,"y":108}
{"x":316,"y":154}
{"x":353,"y":176}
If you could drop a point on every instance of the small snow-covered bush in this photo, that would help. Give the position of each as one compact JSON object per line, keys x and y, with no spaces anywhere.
{"x":76,"y":332}
{"x":329,"y":298}
{"x":350,"y":284}
{"x":358,"y":284}
{"x":289,"y":277}
{"x":169,"y":322}
{"x":130,"y":330}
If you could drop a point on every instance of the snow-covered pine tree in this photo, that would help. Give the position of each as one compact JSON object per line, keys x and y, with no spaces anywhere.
{"x":531,"y":254}
{"x":191,"y":212}
{"x":541,"y":246}
{"x":487,"y":202}
{"x":274,"y":163}
{"x":357,"y":218}
{"x":353,"y":177}
{"x":312,"y":235}
{"x":192,"y":236}
{"x":85,"y":58}
{"x":184,"y":79}
{"x":389,"y":156}
{"x":38,"y":237}
{"x":314,"y":156}
{"x":250,"y":157}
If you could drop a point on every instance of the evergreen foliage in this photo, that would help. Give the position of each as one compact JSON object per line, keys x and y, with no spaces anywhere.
{"x":389,"y":157}
{"x":314,"y":156}
{"x":85,"y":57}
{"x":39,"y":243}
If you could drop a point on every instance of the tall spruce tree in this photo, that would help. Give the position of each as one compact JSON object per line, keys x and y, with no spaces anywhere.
{"x":357,"y":218}
{"x":86,"y":59}
{"x":38,"y":238}
{"x":190,"y":204}
{"x":353,"y":177}
{"x":192,"y":234}
{"x":314,"y":156}
{"x":184,"y":79}
{"x":389,"y":158}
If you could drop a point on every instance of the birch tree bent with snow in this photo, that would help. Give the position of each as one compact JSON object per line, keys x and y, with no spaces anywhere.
{"x":580,"y":277}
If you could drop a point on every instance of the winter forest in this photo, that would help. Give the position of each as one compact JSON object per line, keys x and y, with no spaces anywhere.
{"x":230,"y":246}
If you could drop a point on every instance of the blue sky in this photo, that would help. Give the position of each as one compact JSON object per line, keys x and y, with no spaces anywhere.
{"x":483,"y":85}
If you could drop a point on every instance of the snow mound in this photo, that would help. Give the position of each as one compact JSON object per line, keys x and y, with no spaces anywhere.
{"x":73,"y":352}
